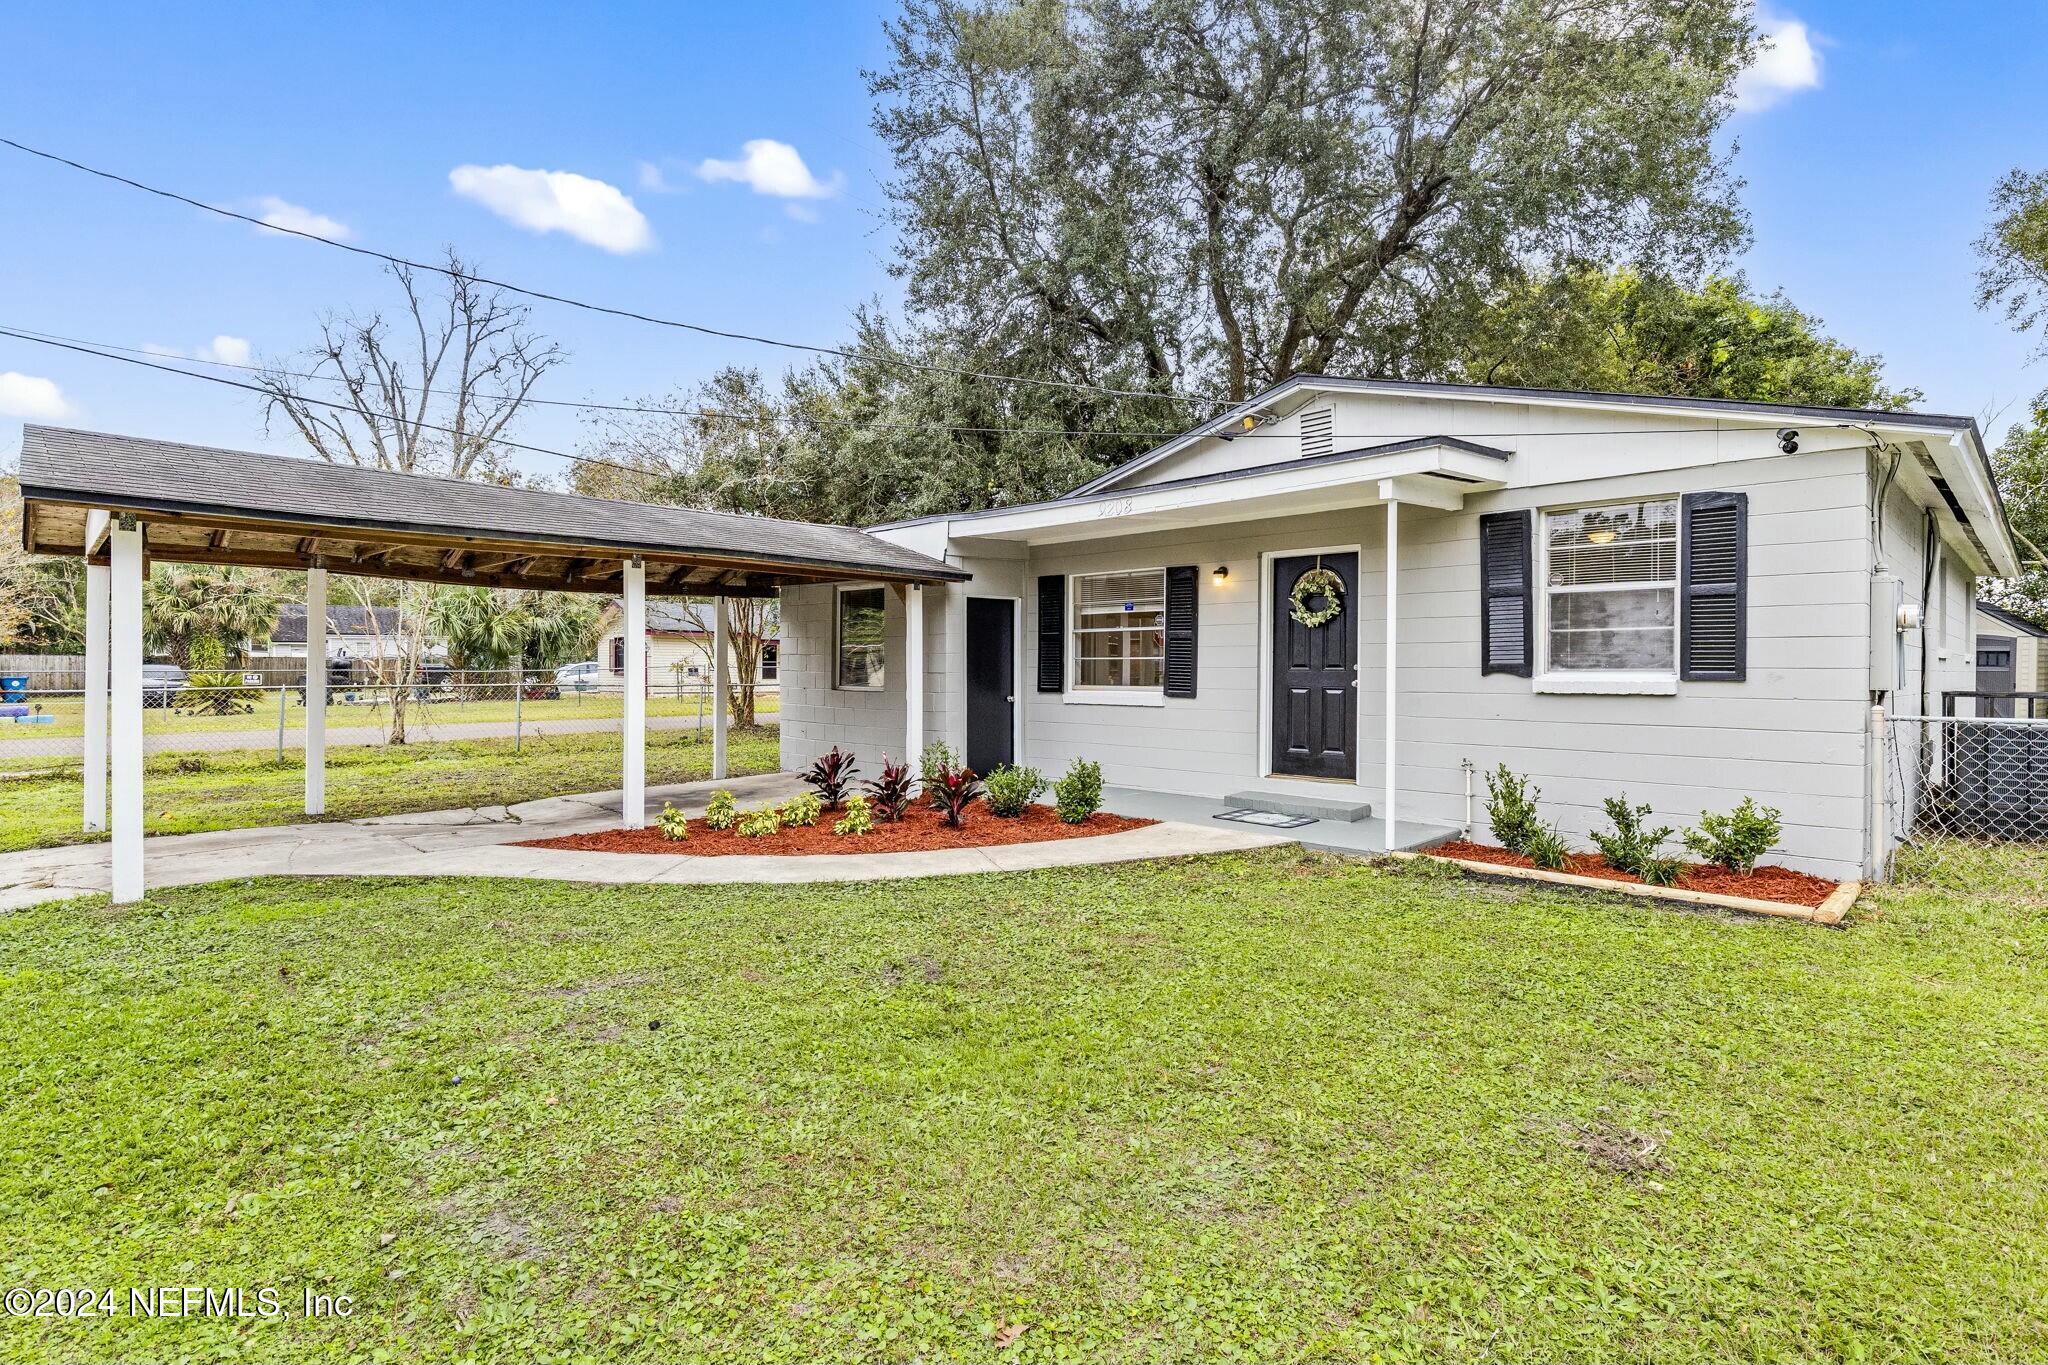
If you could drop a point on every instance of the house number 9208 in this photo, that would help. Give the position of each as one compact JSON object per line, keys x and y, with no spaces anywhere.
{"x":1115,"y":507}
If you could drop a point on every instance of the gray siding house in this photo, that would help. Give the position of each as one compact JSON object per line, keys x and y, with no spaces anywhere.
{"x":1690,"y":601}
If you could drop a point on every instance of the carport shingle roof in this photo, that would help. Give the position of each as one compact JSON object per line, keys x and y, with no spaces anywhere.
{"x":129,"y":473}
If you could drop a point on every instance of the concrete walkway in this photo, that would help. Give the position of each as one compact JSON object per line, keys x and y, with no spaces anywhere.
{"x":475,"y":843}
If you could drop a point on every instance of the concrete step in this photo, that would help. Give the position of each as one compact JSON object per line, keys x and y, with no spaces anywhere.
{"x":1309,"y":807}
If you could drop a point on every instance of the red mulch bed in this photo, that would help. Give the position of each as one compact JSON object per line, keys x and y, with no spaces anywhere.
{"x":1764,"y":884}
{"x":921,"y":828}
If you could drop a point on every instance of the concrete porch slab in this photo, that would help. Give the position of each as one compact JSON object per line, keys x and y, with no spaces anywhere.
{"x":1332,"y":807}
{"x":1362,"y":836}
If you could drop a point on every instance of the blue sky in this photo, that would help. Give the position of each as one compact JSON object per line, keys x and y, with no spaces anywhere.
{"x":1869,"y":147}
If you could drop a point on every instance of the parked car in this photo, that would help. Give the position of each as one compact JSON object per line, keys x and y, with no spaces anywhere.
{"x":161,"y":683}
{"x":583,"y":677}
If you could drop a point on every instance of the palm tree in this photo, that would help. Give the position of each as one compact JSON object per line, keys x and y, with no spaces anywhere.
{"x":488,"y":629}
{"x":211,"y":610}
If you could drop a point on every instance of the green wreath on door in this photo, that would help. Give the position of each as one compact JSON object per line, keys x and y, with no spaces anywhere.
{"x":1317,"y":582}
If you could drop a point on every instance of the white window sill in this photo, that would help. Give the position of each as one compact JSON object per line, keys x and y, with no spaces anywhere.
{"x":1134,"y":697}
{"x":1608,"y":684}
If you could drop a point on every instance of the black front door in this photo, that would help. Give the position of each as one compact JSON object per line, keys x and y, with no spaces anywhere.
{"x":991,"y":683}
{"x":1315,"y":675}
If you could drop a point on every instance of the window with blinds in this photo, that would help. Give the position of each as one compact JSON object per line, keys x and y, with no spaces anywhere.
{"x":1120,"y":629}
{"x":1611,"y":588}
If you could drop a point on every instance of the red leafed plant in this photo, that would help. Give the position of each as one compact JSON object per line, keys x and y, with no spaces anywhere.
{"x":893,"y":790}
{"x":953,"y":790}
{"x":831,"y":776}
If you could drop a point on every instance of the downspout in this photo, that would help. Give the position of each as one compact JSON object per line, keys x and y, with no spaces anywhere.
{"x":1930,"y":546}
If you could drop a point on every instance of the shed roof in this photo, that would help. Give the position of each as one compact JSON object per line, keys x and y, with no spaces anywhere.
{"x":345,"y":620}
{"x":210,"y":505}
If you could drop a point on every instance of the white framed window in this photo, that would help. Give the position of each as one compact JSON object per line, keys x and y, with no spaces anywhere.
{"x":862,"y":615}
{"x":1119,"y":631}
{"x":1610,"y":590}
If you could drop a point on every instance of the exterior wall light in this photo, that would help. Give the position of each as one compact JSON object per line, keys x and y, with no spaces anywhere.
{"x":1222,"y":572}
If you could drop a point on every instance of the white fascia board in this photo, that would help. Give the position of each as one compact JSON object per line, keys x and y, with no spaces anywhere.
{"x":1242,"y":498}
{"x":1965,"y":467}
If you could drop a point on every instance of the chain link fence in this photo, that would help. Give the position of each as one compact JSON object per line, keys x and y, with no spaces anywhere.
{"x":1966,"y":798}
{"x":43,"y":728}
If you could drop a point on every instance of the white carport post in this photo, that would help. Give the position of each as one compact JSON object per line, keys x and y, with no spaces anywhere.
{"x":124,"y":622}
{"x":1387,"y":781}
{"x":96,"y":639}
{"x":316,"y":691}
{"x":721,"y":690}
{"x":913,"y":673}
{"x":633,"y":789}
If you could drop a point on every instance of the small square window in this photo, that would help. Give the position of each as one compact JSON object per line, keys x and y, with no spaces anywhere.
{"x":1120,"y":630}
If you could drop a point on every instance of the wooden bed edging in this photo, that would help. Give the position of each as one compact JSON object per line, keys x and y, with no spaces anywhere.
{"x":1830,"y":911}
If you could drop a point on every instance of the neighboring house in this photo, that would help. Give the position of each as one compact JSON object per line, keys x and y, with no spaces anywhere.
{"x":678,"y":647}
{"x":2011,"y":654}
{"x":365,"y":635}
{"x":1688,"y":601}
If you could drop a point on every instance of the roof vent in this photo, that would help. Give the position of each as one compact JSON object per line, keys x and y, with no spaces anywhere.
{"x":1318,"y":435}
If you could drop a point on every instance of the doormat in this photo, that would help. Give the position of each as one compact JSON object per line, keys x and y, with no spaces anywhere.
{"x":1268,"y":818}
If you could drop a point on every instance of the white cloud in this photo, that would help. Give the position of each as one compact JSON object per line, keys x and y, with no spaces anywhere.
{"x":654,"y":180}
{"x":30,"y":398}
{"x":557,"y":201}
{"x":227,"y":350}
{"x":774,"y":168}
{"x":1789,"y":62}
{"x":281,"y":213}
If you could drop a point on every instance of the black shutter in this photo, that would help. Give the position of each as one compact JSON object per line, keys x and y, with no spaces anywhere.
{"x":1506,"y":629}
{"x":1052,"y":632}
{"x":1713,"y":587}
{"x":1182,"y":612}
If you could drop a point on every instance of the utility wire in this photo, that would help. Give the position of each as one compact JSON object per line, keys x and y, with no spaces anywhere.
{"x":30,"y":334}
{"x":321,"y":402}
{"x":700,"y":328}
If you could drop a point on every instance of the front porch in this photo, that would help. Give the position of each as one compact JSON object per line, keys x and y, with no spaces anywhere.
{"x":1327,"y":834}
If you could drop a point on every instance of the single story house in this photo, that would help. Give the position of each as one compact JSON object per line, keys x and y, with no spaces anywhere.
{"x":358,"y":640}
{"x":2012,"y":654}
{"x":679,"y":646}
{"x":1378,"y":590}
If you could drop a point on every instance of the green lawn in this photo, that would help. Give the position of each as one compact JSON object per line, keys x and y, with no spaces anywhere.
{"x":1273,"y":1105}
{"x":187,"y":793}
{"x":261,"y":718}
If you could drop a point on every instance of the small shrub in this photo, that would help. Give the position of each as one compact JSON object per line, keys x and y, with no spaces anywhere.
{"x":953,"y":790}
{"x":759,"y":824}
{"x":859,"y":817}
{"x":1511,"y":810}
{"x":802,"y":809}
{"x":832,"y":775}
{"x":672,"y":823}
{"x":1660,"y":871}
{"x":1078,"y":795}
{"x":215,"y":694}
{"x":1547,"y":849}
{"x":1632,"y":848}
{"x":938,"y":756}
{"x":723,"y":812}
{"x":1736,"y":840}
{"x":1011,"y":789}
{"x":893,"y":790}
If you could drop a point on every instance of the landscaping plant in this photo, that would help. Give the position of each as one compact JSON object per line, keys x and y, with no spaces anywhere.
{"x":1633,"y":849}
{"x":1511,"y":810}
{"x":1736,"y":840}
{"x":1547,"y":849}
{"x":892,"y":791}
{"x":937,"y":757}
{"x":831,"y":776}
{"x":953,"y":790}
{"x":1011,"y":789}
{"x":672,"y":823}
{"x":758,"y":824}
{"x":1078,"y":795}
{"x":859,"y":817}
{"x":723,"y":812}
{"x":803,"y":809}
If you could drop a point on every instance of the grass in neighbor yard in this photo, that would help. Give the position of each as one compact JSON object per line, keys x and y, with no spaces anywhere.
{"x":187,"y":793}
{"x":1270,"y":1104}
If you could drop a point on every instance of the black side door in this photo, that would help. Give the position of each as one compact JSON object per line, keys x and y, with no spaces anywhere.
{"x":1315,"y":676}
{"x":991,"y":683}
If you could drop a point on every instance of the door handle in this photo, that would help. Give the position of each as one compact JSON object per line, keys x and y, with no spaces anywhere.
{"x":1008,"y":700}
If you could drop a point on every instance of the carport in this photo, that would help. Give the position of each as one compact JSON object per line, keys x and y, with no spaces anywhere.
{"x":120,"y":502}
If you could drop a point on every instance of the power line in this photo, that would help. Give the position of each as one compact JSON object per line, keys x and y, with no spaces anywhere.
{"x":321,"y":402}
{"x":606,"y":309}
{"x":30,"y":334}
